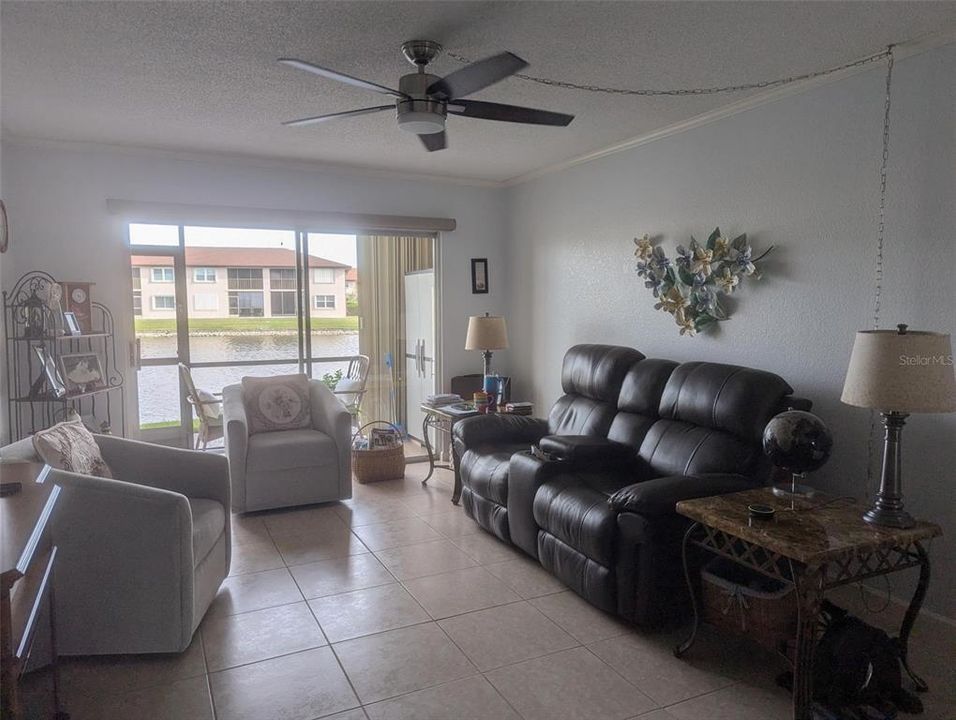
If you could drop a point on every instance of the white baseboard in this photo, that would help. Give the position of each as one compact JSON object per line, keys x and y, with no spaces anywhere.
{"x":904,"y":603}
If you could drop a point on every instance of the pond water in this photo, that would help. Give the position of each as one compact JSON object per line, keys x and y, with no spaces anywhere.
{"x":159,"y":386}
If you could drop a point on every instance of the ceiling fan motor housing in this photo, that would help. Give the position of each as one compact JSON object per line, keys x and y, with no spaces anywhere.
{"x":419,"y":114}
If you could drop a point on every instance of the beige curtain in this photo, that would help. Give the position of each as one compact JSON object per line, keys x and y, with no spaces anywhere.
{"x":383,"y":261}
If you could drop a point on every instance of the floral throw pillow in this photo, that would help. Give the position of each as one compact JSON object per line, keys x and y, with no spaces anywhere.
{"x":70,"y":446}
{"x":277,"y":403}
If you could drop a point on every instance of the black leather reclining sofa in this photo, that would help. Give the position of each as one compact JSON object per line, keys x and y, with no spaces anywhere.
{"x":630,"y":438}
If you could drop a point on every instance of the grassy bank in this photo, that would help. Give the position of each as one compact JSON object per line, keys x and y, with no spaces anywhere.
{"x":237,"y":324}
{"x":166,"y":424}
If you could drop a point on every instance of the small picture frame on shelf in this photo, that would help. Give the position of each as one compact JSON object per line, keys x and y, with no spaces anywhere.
{"x":479,"y":276}
{"x":53,"y":380}
{"x":71,"y":324}
{"x":77,"y":298}
{"x":83,"y":373}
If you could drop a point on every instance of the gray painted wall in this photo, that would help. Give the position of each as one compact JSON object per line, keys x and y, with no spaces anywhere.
{"x":802,"y":174}
{"x":56,"y":194}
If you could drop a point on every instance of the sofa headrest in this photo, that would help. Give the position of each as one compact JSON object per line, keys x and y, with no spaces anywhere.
{"x":597,"y":371}
{"x":734,"y":399}
{"x":643,"y":386}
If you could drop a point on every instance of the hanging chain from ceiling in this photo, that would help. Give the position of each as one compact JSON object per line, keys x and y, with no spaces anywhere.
{"x":762,"y":85}
{"x":878,"y":269}
{"x":878,"y":286}
{"x":765,"y":85}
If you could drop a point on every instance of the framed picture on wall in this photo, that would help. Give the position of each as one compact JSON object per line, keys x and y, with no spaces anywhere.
{"x":479,"y":276}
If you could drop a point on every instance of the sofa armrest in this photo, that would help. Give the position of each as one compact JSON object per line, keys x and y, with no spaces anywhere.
{"x":236,"y":437}
{"x":498,"y":428}
{"x":659,"y":496}
{"x":20,"y":451}
{"x":329,"y":415}
{"x":588,"y":450}
{"x":192,"y":473}
{"x":527,"y":472}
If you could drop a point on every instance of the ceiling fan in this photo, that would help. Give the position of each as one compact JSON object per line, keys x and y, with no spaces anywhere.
{"x":423,"y":101}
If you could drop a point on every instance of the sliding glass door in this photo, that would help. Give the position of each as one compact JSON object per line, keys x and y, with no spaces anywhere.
{"x":160,"y":341}
{"x":243,"y":304}
{"x":229,"y":302}
{"x":330,"y":293}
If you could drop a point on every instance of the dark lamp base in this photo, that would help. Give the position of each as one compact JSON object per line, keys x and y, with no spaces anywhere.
{"x":889,"y":517}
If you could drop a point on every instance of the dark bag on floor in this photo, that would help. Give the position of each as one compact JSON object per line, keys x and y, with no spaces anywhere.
{"x":856,"y":664}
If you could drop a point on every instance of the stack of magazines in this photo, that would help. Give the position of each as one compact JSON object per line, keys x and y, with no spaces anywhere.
{"x":442,"y":399}
{"x":519,"y":408}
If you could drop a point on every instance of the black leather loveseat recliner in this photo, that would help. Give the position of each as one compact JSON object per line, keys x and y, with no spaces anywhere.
{"x":591,"y":378}
{"x":599,"y":513}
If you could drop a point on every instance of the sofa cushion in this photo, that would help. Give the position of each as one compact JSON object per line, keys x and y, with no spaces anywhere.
{"x":643,"y":386}
{"x":597,"y":371}
{"x":576,"y":415}
{"x":290,"y":449}
{"x":679,"y":448}
{"x":277,"y":403}
{"x":488,"y":514}
{"x":574,"y":508}
{"x":209,"y":522}
{"x":486,"y":468}
{"x":639,"y":401}
{"x":589,"y":579}
{"x":734,"y":399}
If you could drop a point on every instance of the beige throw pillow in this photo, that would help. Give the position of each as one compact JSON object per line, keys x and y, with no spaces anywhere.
{"x":70,"y":446}
{"x":277,"y":403}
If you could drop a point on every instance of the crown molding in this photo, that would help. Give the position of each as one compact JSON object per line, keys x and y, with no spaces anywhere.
{"x":901,"y":51}
{"x":245,"y":160}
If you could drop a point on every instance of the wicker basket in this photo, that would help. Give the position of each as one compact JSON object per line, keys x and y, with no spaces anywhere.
{"x":377,"y":464}
{"x":741,"y":600}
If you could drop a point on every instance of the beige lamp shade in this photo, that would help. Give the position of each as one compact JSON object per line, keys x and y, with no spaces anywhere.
{"x":486,"y":332}
{"x":905,"y":372}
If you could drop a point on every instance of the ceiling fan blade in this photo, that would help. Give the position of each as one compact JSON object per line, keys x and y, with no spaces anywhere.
{"x":434,"y":141}
{"x":341,"y":77}
{"x":508,"y":113}
{"x":478,"y":75}
{"x":333,"y":116}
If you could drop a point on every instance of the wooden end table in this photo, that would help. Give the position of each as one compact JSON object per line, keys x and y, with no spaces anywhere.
{"x":820,"y":544}
{"x":27,"y":560}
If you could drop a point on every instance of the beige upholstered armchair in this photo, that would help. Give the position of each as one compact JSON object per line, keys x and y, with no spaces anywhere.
{"x":289,"y":467}
{"x":139,"y":557}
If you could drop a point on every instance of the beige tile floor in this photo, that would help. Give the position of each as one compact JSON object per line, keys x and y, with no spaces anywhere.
{"x":395,"y":605}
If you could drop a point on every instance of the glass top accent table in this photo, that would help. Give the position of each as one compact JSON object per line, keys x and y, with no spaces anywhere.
{"x":443,"y":419}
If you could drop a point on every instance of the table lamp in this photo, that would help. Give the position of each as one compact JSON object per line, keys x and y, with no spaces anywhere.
{"x":898,"y":372}
{"x":486,"y":333}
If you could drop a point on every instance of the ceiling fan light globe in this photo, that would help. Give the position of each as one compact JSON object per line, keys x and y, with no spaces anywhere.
{"x":421,"y":123}
{"x":421,"y":117}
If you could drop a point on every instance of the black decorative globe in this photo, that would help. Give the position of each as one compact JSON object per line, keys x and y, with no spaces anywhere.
{"x":797,"y":441}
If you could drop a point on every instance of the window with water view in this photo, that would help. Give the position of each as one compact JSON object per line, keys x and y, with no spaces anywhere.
{"x":242,"y":304}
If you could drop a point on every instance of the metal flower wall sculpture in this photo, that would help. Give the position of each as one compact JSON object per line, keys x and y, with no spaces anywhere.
{"x":691,"y":286}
